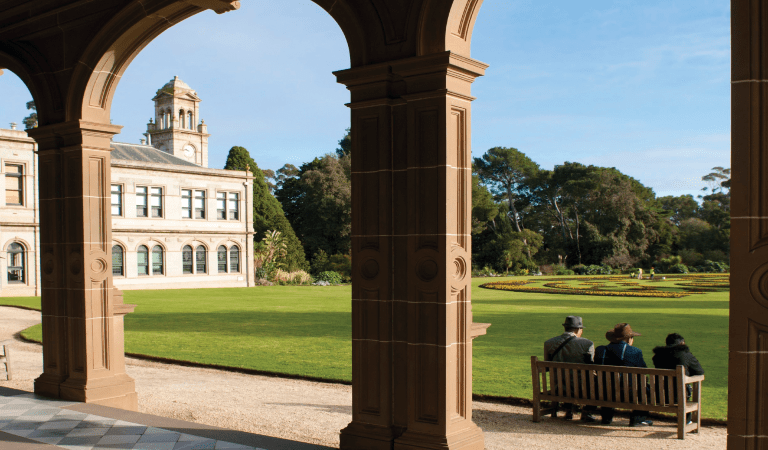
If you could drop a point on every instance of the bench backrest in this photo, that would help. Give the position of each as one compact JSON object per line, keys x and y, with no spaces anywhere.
{"x":613,"y":384}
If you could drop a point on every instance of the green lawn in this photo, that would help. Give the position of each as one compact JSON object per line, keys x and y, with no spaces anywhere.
{"x":307,"y":330}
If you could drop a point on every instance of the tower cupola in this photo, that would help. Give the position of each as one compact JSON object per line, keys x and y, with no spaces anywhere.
{"x":175,"y":129}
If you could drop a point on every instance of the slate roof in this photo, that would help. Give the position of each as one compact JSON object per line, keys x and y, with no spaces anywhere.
{"x":145,"y":153}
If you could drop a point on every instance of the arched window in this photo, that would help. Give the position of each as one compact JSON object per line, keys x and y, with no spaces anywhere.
{"x":181,"y":118}
{"x":157,"y":260}
{"x":200,"y":259}
{"x":143,"y":260}
{"x":186,"y":259}
{"x":191,"y":121}
{"x":117,"y":261}
{"x":234,"y":259}
{"x":16,"y":272}
{"x":221,"y":256}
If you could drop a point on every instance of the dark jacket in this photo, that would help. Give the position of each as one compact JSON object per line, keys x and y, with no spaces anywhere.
{"x":619,"y":354}
{"x":670,"y":357}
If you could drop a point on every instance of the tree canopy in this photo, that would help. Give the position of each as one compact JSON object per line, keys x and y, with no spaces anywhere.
{"x":267,"y":212}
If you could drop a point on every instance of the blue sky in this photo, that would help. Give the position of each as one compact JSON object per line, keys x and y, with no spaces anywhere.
{"x":640,"y":86}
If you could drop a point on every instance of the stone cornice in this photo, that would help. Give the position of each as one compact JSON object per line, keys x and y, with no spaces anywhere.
{"x":158,"y":167}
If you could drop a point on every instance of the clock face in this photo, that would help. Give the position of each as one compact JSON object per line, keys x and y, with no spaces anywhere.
{"x":189,"y":151}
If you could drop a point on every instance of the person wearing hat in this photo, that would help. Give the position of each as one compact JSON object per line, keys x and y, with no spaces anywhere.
{"x":620,"y":352}
{"x":570,"y":347}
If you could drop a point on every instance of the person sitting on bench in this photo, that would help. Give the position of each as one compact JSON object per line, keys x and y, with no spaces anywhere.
{"x":674,"y":354}
{"x":570,"y":347}
{"x":621,"y":353}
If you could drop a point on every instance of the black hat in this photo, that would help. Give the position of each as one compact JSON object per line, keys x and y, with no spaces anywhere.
{"x":573,"y":322}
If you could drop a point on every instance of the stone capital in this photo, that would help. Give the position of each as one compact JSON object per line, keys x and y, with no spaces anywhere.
{"x":95,"y":136}
{"x":433,"y":75}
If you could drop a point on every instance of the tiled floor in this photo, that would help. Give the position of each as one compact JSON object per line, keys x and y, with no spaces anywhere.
{"x":46,"y":421}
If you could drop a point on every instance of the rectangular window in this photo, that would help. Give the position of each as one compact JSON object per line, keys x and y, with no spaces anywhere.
{"x":186,"y":204}
{"x":199,"y":204}
{"x":156,"y":201}
{"x":117,"y":199}
{"x":14,"y":184}
{"x":234,"y":206}
{"x":141,"y":201}
{"x":221,"y":205}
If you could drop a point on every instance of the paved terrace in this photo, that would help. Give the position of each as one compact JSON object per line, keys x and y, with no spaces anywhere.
{"x":191,"y":408}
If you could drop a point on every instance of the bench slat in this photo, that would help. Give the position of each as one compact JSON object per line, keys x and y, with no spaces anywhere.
{"x":643,"y":390}
{"x":600,"y":391}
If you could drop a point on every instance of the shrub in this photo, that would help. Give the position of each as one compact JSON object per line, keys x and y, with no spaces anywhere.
{"x":521,"y":272}
{"x":713,"y":267}
{"x":299,"y":277}
{"x":562,"y":270}
{"x":342,"y":264}
{"x":579,"y":269}
{"x":593,"y":269}
{"x":666,"y":263}
{"x":329,"y":276}
{"x":678,"y":268}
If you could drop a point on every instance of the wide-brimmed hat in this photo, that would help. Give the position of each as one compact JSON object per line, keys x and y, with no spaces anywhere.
{"x":573,"y":322}
{"x":621,"y":332}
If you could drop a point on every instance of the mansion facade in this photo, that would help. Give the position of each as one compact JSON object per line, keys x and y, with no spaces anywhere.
{"x":175,"y":222}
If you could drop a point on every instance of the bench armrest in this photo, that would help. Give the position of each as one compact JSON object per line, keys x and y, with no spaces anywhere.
{"x":694,"y":379}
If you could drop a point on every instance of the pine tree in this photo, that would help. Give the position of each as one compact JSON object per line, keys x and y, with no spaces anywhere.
{"x":267,"y":212}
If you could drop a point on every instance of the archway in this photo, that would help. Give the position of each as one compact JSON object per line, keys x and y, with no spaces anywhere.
{"x":412,"y":322}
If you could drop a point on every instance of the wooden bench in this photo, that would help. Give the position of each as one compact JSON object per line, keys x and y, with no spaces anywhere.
{"x":596,"y":385}
{"x":5,"y":358}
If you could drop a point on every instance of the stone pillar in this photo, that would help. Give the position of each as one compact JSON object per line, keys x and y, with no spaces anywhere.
{"x":748,"y":326}
{"x":83,"y":357}
{"x":411,"y":308}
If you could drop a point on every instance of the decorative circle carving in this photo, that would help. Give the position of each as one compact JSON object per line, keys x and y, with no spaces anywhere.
{"x":75,"y":264}
{"x":48,"y":265}
{"x":370,"y":269}
{"x":426,"y":270}
{"x":461,"y":268}
{"x":758,"y":285}
{"x":99,"y":266}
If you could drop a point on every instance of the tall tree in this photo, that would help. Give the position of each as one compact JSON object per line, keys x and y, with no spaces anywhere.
{"x":317,"y":200}
{"x":345,"y":144}
{"x":31,"y":120}
{"x":506,"y":171}
{"x":267,"y":213}
{"x":680,"y":208}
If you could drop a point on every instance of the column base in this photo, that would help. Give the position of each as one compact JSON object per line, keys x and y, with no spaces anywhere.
{"x":118,"y":391}
{"x":364,"y":436}
{"x":48,"y":385}
{"x":468,"y":439}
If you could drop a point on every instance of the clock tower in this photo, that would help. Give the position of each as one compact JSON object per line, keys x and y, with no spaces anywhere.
{"x":176,"y":129}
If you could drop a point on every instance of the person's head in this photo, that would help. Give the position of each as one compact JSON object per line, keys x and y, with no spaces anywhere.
{"x":675,"y":339}
{"x":574,"y":324}
{"x":622,"y":332}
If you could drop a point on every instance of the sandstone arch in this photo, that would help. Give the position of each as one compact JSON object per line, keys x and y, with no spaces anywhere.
{"x":410,"y":83}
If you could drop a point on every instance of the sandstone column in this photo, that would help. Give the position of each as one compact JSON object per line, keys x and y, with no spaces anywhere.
{"x":411,"y":309}
{"x":748,"y":327}
{"x":83,"y":353}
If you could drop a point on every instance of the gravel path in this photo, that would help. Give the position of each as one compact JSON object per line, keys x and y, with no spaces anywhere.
{"x":315,"y":412}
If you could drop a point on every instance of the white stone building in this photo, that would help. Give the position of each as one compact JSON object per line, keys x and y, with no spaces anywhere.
{"x":176,"y":223}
